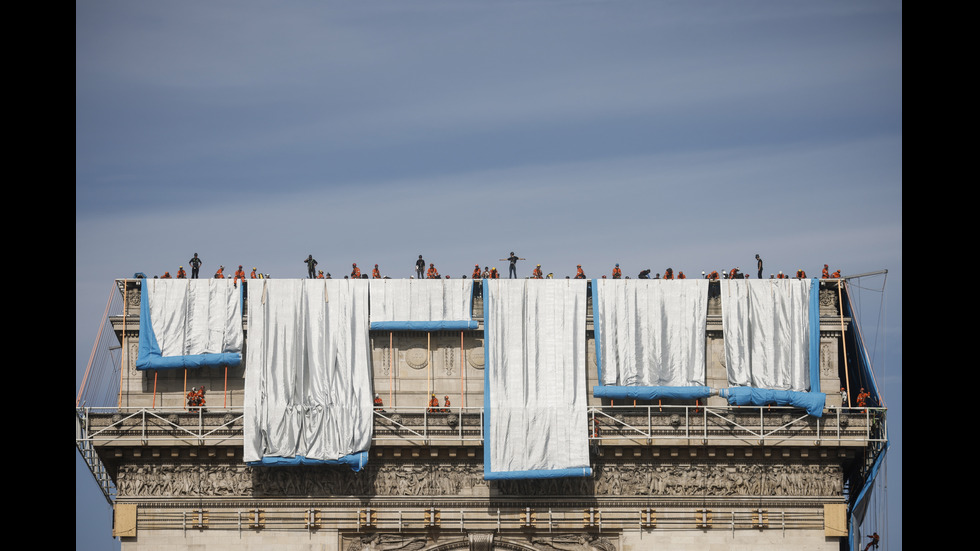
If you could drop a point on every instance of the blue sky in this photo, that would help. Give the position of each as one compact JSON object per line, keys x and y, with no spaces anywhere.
{"x":649,"y":133}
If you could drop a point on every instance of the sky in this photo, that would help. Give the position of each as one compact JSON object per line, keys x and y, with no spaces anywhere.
{"x":653,"y":134}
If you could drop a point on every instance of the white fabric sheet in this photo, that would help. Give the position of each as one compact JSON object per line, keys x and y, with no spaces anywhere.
{"x":652,"y":332}
{"x":535,"y":334}
{"x":767,"y":332}
{"x":195,"y":316}
{"x":421,"y":300}
{"x":308,"y":376}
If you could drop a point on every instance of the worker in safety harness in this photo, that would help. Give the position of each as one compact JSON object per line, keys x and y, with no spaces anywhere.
{"x":433,"y":404}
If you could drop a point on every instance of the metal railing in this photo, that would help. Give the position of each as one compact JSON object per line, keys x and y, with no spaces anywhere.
{"x":644,"y":425}
{"x":420,"y":426}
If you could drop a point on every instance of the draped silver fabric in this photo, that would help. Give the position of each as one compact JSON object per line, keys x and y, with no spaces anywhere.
{"x":420,"y":299}
{"x":195,"y":316}
{"x":308,"y":373}
{"x":652,"y":332}
{"x":535,"y":338}
{"x":767,"y":332}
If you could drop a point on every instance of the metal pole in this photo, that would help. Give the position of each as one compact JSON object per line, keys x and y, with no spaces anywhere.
{"x":125,"y":352}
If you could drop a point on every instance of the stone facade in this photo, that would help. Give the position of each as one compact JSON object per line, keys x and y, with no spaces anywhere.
{"x":734,"y":478}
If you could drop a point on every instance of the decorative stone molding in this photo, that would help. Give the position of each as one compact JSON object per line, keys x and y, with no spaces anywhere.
{"x":475,"y":357}
{"x":416,"y":357}
{"x":417,"y":480}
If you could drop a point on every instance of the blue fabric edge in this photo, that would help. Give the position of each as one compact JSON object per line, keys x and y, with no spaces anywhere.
{"x":356,"y":461}
{"x":863,"y":496}
{"x":814,"y":335}
{"x":424,"y":325}
{"x":487,"y":468}
{"x":812,"y":402}
{"x":525,"y":475}
{"x":650,"y":392}
{"x":596,"y":333}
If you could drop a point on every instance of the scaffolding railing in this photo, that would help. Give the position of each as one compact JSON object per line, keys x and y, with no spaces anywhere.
{"x":420,"y":426}
{"x":641,"y":425}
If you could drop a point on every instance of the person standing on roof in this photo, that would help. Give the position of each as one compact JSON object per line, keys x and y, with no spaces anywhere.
{"x":356,"y":272}
{"x":579,"y":274}
{"x":376,"y":273}
{"x":419,"y":267}
{"x":617,"y":273}
{"x":513,"y":264}
{"x":181,"y":274}
{"x":759,"y":262}
{"x":310,"y":267}
{"x":195,"y":266}
{"x":536,"y":273}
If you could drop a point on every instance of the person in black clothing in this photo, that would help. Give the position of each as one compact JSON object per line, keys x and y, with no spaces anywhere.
{"x":310,"y":267}
{"x":759,"y":260}
{"x":513,"y":264}
{"x":645,"y":274}
{"x":419,"y":268}
{"x":195,"y":266}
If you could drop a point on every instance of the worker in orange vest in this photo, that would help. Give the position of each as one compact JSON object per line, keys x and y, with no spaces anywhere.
{"x":579,"y":274}
{"x":379,"y":405}
{"x":254,"y":275}
{"x":220,"y":274}
{"x":376,"y":273}
{"x":432,"y":273}
{"x":239,"y":274}
{"x":181,"y":274}
{"x":356,"y":272}
{"x":166,"y":275}
{"x":536,"y":273}
{"x":445,"y":405}
{"x":476,"y":272}
{"x":617,"y":273}
{"x":433,"y":404}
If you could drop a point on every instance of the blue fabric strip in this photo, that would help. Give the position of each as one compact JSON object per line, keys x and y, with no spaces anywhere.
{"x":596,"y":334}
{"x":456,"y":325}
{"x":815,"y":335}
{"x":651,"y":392}
{"x":525,"y":475}
{"x":356,"y":461}
{"x":860,"y":507}
{"x":487,"y":468}
{"x":812,"y":402}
